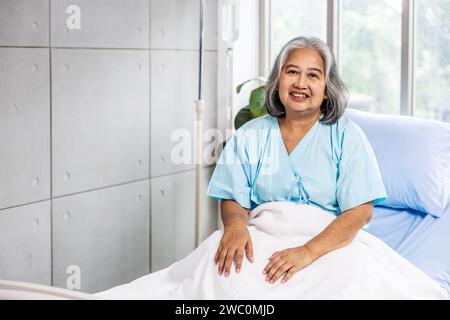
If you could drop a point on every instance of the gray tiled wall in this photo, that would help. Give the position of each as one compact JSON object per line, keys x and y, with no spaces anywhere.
{"x":86,"y":117}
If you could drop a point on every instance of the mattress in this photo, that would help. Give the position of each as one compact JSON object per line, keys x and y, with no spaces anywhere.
{"x":422,"y":239}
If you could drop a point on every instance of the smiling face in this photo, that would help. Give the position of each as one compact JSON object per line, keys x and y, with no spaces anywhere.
{"x":302,"y":82}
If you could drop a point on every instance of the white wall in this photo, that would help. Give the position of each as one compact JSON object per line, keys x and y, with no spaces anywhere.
{"x":244,"y":61}
{"x":246,"y":52}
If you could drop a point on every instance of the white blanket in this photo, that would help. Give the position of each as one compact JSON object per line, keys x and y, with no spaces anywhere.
{"x":365,"y":269}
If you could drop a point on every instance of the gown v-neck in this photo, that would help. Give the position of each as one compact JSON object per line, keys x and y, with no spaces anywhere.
{"x":306,"y":137}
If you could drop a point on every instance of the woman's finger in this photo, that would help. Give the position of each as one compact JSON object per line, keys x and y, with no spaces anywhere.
{"x":274,"y":254}
{"x":249,"y":250}
{"x":289,"y":274}
{"x":270,"y":264}
{"x":271,"y":272}
{"x":229,"y":260}
{"x":267,"y":268}
{"x":222,"y":257}
{"x":239,"y":259}
{"x":281,"y":270}
{"x":216,"y":257}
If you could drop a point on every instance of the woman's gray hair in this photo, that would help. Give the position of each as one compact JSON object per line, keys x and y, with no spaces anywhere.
{"x":334,"y":106}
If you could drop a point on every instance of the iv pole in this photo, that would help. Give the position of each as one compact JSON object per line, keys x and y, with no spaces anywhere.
{"x":199,"y":107}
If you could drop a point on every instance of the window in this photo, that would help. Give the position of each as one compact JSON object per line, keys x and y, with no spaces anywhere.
{"x":293,"y":18}
{"x":370,"y":53}
{"x":432,"y":60}
{"x":372,"y":44}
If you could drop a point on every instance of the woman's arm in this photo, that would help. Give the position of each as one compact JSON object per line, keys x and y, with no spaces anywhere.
{"x":236,"y":239}
{"x":341,"y":231}
{"x":233,"y":214}
{"x":337,"y":234}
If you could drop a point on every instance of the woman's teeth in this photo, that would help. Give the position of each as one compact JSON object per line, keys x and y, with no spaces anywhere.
{"x":301,"y":95}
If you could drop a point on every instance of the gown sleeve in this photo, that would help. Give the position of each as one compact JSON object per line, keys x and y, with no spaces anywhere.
{"x":359,"y":180}
{"x":230,"y":179}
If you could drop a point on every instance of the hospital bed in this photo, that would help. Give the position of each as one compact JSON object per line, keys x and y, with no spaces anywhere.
{"x":16,"y":290}
{"x":420,"y":238}
{"x":414,"y":159}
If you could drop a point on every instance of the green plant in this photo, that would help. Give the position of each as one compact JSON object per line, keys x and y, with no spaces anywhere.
{"x":255,"y":107}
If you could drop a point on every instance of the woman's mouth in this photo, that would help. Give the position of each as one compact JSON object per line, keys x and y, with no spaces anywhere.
{"x":298,"y":97}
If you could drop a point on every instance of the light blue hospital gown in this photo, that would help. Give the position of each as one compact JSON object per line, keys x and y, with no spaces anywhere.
{"x":333,"y":167}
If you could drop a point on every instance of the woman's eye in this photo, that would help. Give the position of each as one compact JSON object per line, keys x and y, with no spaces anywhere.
{"x":292,"y":72}
{"x":313,"y":75}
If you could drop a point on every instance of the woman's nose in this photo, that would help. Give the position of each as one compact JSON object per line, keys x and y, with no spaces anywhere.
{"x":301,"y":81}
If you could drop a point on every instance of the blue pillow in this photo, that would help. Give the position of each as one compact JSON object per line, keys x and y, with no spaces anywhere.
{"x":414,"y":159}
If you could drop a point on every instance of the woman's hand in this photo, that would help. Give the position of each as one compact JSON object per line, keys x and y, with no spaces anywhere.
{"x":287,"y":262}
{"x":235,"y":241}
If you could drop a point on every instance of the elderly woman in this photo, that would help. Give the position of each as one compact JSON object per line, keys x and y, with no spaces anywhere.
{"x":310,"y":179}
{"x":306,"y":152}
